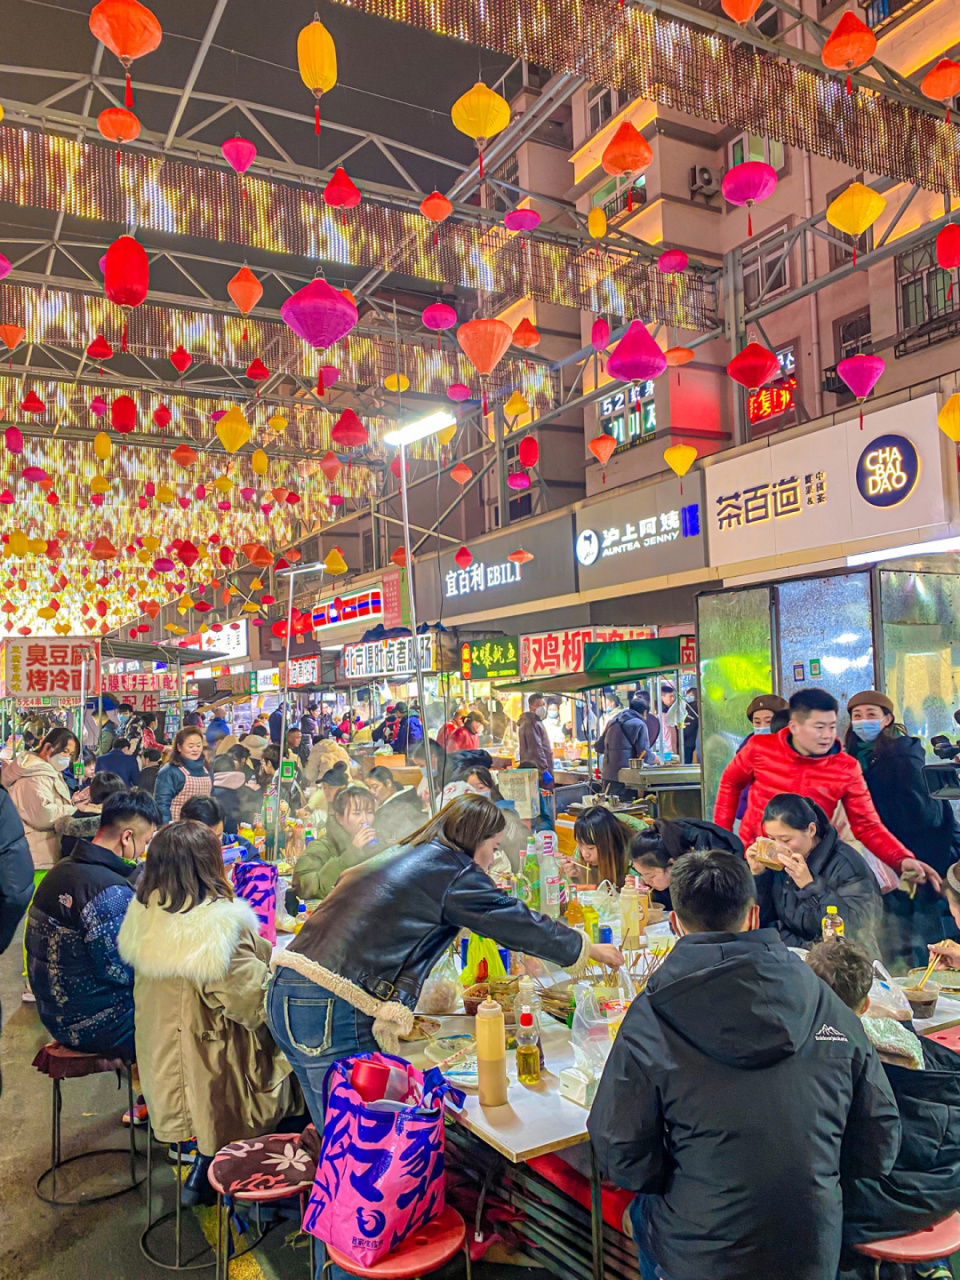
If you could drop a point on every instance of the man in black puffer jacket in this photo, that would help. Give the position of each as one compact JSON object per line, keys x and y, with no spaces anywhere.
{"x":738,"y":1090}
{"x":624,"y":739}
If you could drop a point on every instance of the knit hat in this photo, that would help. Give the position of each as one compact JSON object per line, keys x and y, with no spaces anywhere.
{"x":766,"y":702}
{"x":871,"y":698}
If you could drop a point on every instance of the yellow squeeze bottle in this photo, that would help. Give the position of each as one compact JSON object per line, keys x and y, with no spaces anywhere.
{"x":491,"y":1055}
{"x":591,"y":921}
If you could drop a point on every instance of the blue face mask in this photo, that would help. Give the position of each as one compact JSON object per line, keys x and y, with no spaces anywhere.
{"x":867,"y":730}
{"x":764,"y":728}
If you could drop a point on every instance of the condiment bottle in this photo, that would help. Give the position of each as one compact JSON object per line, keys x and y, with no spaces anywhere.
{"x":574,"y":909}
{"x":549,"y":879}
{"x":531,"y":873}
{"x":528,"y":1053}
{"x":832,"y":923}
{"x":491,"y":1055}
{"x":630,"y":927}
{"x":591,"y":918}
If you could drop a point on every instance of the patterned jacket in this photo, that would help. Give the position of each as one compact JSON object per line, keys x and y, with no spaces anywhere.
{"x":84,"y":990}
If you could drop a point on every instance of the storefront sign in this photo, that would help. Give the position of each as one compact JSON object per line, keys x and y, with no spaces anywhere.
{"x":164,"y":682}
{"x":490,"y":658}
{"x":49,"y":667}
{"x":267,"y":681}
{"x":396,"y":607}
{"x":357,"y":606}
{"x":558,"y":653}
{"x":479,"y":576}
{"x":232,"y":641}
{"x":838,"y":485}
{"x":387,"y":658}
{"x":642,"y":533}
{"x":303,"y":671}
{"x":630,"y":423}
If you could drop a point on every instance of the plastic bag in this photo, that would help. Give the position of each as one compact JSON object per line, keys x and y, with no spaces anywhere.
{"x":606,"y":902}
{"x":596,"y":1020}
{"x":886,"y":998}
{"x":440,"y":994}
{"x":479,"y":949}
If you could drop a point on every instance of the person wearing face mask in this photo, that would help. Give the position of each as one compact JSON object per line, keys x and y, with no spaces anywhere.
{"x":39,"y":790}
{"x":83,"y":989}
{"x":765,"y":714}
{"x":892,"y":763}
{"x":532,"y":734}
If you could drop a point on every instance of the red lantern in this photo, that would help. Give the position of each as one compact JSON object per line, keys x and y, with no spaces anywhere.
{"x":349,"y":431}
{"x":437,"y":208}
{"x":464,"y":558}
{"x":461,"y":473}
{"x":99,"y":349}
{"x":162,"y":417}
{"x":528,"y":452}
{"x":627,"y":152}
{"x":520,"y":556}
{"x":754,"y":366}
{"x":129,"y":30}
{"x":118,"y":125}
{"x":246,"y":291}
{"x":126,"y":274}
{"x":948,"y":250}
{"x":485,"y":342}
{"x":181,"y":359}
{"x":187,"y":554}
{"x":257,"y":371}
{"x":851,"y":44}
{"x":123,"y":414}
{"x":942,"y":82}
{"x":526,"y":334}
{"x":31,"y":403}
{"x":399,"y":558}
{"x":341,"y":192}
{"x":740,"y":11}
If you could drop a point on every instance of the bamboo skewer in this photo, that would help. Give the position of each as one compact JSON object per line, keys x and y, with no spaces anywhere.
{"x":930,"y":968}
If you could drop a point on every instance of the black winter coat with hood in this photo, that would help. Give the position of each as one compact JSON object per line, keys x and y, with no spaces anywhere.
{"x":625,"y":738}
{"x":900,"y":796}
{"x":738,"y":1090}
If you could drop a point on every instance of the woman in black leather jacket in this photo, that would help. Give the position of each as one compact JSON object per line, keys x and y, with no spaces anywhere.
{"x":350,"y":981}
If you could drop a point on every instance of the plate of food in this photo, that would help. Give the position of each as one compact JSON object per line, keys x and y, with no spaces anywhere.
{"x":423,"y":1029}
{"x":456,"y":1056}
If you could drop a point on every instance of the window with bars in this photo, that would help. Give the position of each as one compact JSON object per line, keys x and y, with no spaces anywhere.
{"x":853,"y":335}
{"x":753,"y":146}
{"x":764,"y":270}
{"x":925,"y":292}
{"x":614,"y":196}
{"x":602,"y":105}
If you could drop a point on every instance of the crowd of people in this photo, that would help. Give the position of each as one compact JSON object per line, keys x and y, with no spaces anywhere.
{"x":139,"y":945}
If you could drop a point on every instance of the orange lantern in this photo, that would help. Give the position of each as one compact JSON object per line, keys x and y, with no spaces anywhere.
{"x":183,"y":455}
{"x":627,"y":152}
{"x":129,"y":30}
{"x":740,"y":11}
{"x":851,"y":44}
{"x":485,"y":342}
{"x":12,"y":335}
{"x":942,"y":82}
{"x":526,"y":334}
{"x":245,"y":291}
{"x":461,"y":473}
{"x":602,"y":446}
{"x":437,"y":208}
{"x":118,"y":125}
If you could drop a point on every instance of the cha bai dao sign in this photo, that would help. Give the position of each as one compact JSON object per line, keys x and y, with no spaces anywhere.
{"x":839,"y":485}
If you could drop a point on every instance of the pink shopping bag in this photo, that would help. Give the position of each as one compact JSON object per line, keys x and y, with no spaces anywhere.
{"x":380,"y":1175}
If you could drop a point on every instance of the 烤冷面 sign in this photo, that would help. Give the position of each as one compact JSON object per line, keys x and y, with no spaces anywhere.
{"x":45,"y":667}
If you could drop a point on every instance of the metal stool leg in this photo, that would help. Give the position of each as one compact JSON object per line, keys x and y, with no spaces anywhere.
{"x":133,"y":1134}
{"x":219,"y":1235}
{"x":57,"y":1161}
{"x":466,"y":1255}
{"x":55,"y":1136}
{"x":177,"y":1214}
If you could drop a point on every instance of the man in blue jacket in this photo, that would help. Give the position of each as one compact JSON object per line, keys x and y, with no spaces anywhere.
{"x":738,"y":1090}
{"x":84,"y":990}
{"x":121,"y":761}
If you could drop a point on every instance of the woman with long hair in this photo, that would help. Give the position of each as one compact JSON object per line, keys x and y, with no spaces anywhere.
{"x":38,"y":789}
{"x":350,"y":980}
{"x":603,"y":843}
{"x":892,"y":762}
{"x":654,"y":851}
{"x":186,"y":775}
{"x":209,"y":1067}
{"x":349,"y":838}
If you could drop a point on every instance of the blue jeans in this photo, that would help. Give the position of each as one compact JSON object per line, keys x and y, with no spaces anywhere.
{"x":315,"y":1029}
{"x":641,"y":1238}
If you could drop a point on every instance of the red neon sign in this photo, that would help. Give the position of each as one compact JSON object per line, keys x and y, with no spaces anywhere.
{"x":771,"y":402}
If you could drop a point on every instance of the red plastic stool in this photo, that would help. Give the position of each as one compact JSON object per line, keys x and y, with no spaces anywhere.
{"x":423,"y":1251}
{"x":60,"y":1063}
{"x":263,"y":1171}
{"x":949,"y":1036}
{"x":938,"y":1241}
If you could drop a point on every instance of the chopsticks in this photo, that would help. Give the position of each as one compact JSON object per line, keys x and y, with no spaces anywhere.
{"x":930,"y":968}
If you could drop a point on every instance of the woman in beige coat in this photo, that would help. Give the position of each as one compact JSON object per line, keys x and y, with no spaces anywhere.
{"x":39,"y":790}
{"x":209,"y":1067}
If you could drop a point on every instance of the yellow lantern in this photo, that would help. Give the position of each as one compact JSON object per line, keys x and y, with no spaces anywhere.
{"x":855,"y":210}
{"x":447,"y":434}
{"x":516,"y":405}
{"x":256,"y":585}
{"x":165,"y":493}
{"x":597,"y":223}
{"x":277,"y":423}
{"x":19,"y":543}
{"x":143,"y":557}
{"x":680,"y":458}
{"x":317,"y":60}
{"x":397,"y":382}
{"x":223,"y":484}
{"x":233,"y":430}
{"x":150,"y":542}
{"x":481,"y":114}
{"x":102,"y":447}
{"x":948,"y":419}
{"x":250,"y":607}
{"x":335,"y":564}
{"x":99,"y":484}
{"x":46,"y":612}
{"x":38,"y":546}
{"x":259,"y":462}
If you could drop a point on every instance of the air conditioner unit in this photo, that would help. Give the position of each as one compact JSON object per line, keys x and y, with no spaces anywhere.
{"x":704,"y":181}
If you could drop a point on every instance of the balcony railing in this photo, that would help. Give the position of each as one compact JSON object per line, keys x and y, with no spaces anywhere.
{"x":879,"y":13}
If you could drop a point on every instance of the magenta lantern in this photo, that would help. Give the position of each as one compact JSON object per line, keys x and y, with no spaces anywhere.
{"x":330,"y":374}
{"x":672,"y":261}
{"x":439,"y":316}
{"x":522,"y":220}
{"x":239,"y":153}
{"x":458,"y":392}
{"x":861,"y":374}
{"x":518,"y":480}
{"x":98,"y":406}
{"x":637,"y":356}
{"x":747,"y":183}
{"x":600,"y":334}
{"x":5,"y":267}
{"x":319,"y":314}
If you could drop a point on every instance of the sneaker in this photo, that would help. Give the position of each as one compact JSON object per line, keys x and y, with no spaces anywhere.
{"x":139,"y":1115}
{"x":188,"y":1151}
{"x":933,"y":1271}
{"x":28,"y":997}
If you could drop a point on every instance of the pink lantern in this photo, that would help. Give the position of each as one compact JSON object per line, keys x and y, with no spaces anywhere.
{"x":5,"y":267}
{"x":861,"y":374}
{"x":439,"y":316}
{"x":600,"y":334}
{"x":518,"y":480}
{"x":330,"y":374}
{"x":335,"y":500}
{"x":637,"y":356}
{"x":319,"y":314}
{"x":458,"y":392}
{"x":239,"y":153}
{"x":672,"y":262}
{"x":522,"y":220}
{"x":98,"y":406}
{"x":747,"y":183}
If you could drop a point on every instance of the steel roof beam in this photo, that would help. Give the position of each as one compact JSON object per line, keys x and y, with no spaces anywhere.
{"x":198,"y":61}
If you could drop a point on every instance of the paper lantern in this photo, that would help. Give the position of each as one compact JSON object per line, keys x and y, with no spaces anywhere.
{"x":672,"y":262}
{"x":481,"y":114}
{"x":446,"y":434}
{"x":464,"y":558}
{"x":948,"y":419}
{"x":528,"y":451}
{"x":597,"y":223}
{"x":439,"y":316}
{"x":129,"y":30}
{"x":637,"y":356}
{"x":599,"y":334}
{"x":461,"y":473}
{"x":851,"y":44}
{"x":516,"y":405}
{"x":399,"y":558}
{"x":748,"y":183}
{"x":942,"y":82}
{"x":397,"y":382}
{"x":6,"y":266}
{"x":676,"y":356}
{"x":12,"y":335}
{"x":187,"y":554}
{"x":485,"y":341}
{"x":123,"y":414}
{"x":239,"y":153}
{"x":526,"y":335}
{"x":741,"y":11}
{"x":118,"y":125}
{"x":162,"y":416}
{"x":102,"y":448}
{"x":520,"y":556}
{"x":341,"y":192}
{"x":99,"y":349}
{"x":334,"y":563}
{"x":436,"y":207}
{"x":754,"y":366}
{"x":277,"y":422}
{"x":948,"y":250}
{"x":317,"y":61}
{"x":855,"y":210}
{"x":233,"y":430}
{"x":331,"y":466}
{"x":126,"y":274}
{"x":103,"y":549}
{"x":246,"y":291}
{"x":680,"y":458}
{"x":13,"y":440}
{"x":258,"y":463}
{"x":349,"y":431}
{"x":181,"y":359}
{"x":627,"y":152}
{"x":602,"y":446}
{"x":458,"y":392}
{"x":861,"y":373}
{"x":518,"y":480}
{"x":184,"y":456}
{"x":319,"y":314}
{"x":522,"y":220}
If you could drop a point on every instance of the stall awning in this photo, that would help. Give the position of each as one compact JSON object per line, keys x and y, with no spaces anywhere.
{"x":613,"y":662}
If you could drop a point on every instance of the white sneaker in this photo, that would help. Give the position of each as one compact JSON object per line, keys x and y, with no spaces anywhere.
{"x":28,"y":997}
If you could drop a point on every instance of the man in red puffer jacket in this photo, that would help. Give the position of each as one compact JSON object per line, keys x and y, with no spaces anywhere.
{"x":807,"y":760}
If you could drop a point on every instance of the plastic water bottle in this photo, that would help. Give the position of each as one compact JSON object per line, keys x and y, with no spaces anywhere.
{"x":531,"y":873}
{"x":832,"y":923}
{"x":549,"y":882}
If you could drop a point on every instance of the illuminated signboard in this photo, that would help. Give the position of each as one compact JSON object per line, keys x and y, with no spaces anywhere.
{"x":888,"y":471}
{"x":490,"y":658}
{"x":303,"y":671}
{"x":268,"y":680}
{"x":630,"y":418}
{"x":359,"y":606}
{"x":387,"y":658}
{"x":480,"y":576}
{"x":778,"y":398}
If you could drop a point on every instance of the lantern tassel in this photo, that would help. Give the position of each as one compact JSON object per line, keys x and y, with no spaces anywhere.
{"x":128,"y":93}
{"x":480,"y":149}
{"x":320,"y":387}
{"x":123,"y":337}
{"x":950,"y":290}
{"x":948,"y":113}
{"x":849,"y":85}
{"x":243,"y":336}
{"x":749,"y":223}
{"x":316,"y":119}
{"x":343,"y":216}
{"x":118,"y":157}
{"x":861,"y":415}
{"x":630,"y":199}
{"x":485,"y":410}
{"x":854,"y":253}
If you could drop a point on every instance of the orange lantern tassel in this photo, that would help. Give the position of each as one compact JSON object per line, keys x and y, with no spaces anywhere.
{"x":849,"y":85}
{"x":630,"y":199}
{"x":243,"y":336}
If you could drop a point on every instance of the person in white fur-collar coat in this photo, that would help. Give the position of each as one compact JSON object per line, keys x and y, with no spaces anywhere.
{"x":209,"y":1066}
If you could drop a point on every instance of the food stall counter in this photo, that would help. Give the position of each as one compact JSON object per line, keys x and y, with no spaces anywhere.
{"x":675,"y":788}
